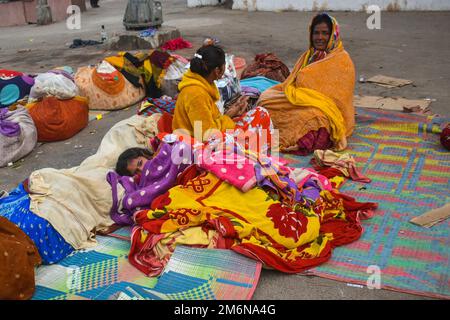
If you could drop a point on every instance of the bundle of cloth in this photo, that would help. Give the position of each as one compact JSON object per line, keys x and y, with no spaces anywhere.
{"x":58,"y":82}
{"x":57,"y":109}
{"x":107,"y":88}
{"x":176,"y":44}
{"x":18,"y":134}
{"x":14,"y":87}
{"x":173,"y":76}
{"x":267,"y":65}
{"x":313,"y":108}
{"x":144,"y":69}
{"x":57,"y":119}
{"x":162,"y":105}
{"x":219,"y":196}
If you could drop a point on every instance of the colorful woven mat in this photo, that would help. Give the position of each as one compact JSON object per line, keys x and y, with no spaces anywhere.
{"x":104,"y":273}
{"x":410,"y":172}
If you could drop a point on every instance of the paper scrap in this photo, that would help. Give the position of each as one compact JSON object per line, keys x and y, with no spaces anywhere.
{"x":389,"y":82}
{"x":392,"y":103}
{"x":430,"y":218}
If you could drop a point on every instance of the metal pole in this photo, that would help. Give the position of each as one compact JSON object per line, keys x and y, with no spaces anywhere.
{"x":44,"y":13}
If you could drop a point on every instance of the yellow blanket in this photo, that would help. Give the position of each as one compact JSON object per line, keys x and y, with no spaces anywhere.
{"x":289,"y":239}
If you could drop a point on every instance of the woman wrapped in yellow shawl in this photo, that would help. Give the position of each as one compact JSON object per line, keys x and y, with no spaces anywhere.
{"x":313,"y":109}
{"x":196,"y":104}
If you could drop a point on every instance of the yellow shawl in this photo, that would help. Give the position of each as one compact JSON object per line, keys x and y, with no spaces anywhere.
{"x":324,"y":90}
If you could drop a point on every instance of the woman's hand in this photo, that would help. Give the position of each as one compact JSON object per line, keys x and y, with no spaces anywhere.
{"x":238,"y":108}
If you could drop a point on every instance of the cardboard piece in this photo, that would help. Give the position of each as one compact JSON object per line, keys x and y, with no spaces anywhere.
{"x":389,"y":82}
{"x":432,"y":217}
{"x":392,"y":103}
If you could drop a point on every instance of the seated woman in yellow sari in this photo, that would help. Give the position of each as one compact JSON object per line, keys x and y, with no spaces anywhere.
{"x":196,"y":103}
{"x":313,"y":109}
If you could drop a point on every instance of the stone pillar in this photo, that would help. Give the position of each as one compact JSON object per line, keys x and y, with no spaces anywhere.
{"x":44,"y":13}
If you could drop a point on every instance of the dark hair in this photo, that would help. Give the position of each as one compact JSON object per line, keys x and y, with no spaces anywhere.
{"x":127,"y":156}
{"x":318,"y":19}
{"x":212,"y":57}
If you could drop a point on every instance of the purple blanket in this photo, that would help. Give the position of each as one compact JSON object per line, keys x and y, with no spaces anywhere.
{"x":158,"y":176}
{"x":8,"y":128}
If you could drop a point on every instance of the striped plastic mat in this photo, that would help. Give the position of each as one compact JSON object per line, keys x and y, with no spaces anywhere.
{"x":104,"y":273}
{"x":410,"y":173}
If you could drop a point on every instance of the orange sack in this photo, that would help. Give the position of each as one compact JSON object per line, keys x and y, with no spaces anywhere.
{"x":57,"y":120}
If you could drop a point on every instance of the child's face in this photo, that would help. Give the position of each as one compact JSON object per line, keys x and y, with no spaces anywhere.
{"x":135,"y":166}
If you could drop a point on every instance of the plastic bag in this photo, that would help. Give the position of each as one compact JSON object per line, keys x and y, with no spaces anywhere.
{"x":15,"y":147}
{"x":51,"y":84}
{"x":173,"y":76}
{"x":229,"y":86}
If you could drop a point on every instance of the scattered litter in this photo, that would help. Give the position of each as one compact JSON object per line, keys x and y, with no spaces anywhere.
{"x":23,"y":50}
{"x":39,"y":152}
{"x":363,"y":188}
{"x":78,"y":146}
{"x":78,"y":43}
{"x":392,"y":103}
{"x":432,"y":217}
{"x":389,"y":82}
{"x":68,"y":142}
{"x":99,"y":117}
{"x":362,"y":79}
{"x":355,"y":285}
{"x":10,"y":164}
{"x":150,"y":32}
{"x":93,"y":132}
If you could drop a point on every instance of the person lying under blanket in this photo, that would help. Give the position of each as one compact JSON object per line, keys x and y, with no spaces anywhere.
{"x":290,"y":219}
{"x":50,"y":244}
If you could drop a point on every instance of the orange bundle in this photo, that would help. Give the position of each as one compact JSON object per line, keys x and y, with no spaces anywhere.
{"x":111,"y":83}
{"x":57,"y":120}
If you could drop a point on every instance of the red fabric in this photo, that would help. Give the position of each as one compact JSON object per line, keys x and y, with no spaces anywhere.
{"x":329,"y":172}
{"x":445,"y":137}
{"x":345,"y":232}
{"x":57,"y":120}
{"x":267,"y":65}
{"x":176,"y":44}
{"x":313,"y":140}
{"x":351,"y":205}
{"x":271,"y":260}
{"x":142,"y":256}
{"x":9,"y":73}
{"x":165,"y":123}
{"x":188,"y":174}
